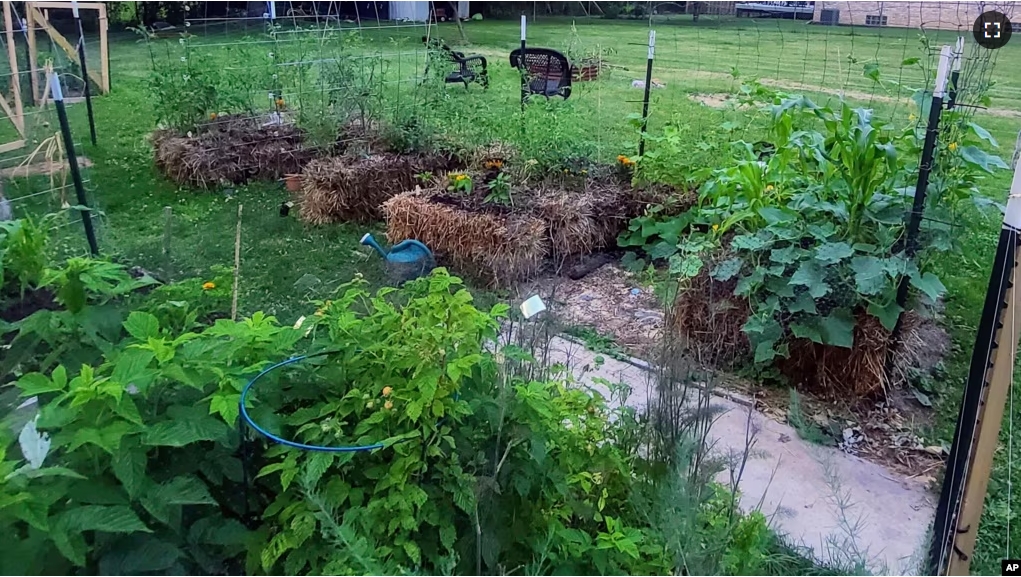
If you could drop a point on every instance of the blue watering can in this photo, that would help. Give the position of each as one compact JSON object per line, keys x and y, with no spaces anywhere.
{"x":406,"y":260}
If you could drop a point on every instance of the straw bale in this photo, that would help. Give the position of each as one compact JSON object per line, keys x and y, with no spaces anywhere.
{"x":351,"y":189}
{"x":495,"y":246}
{"x":230,"y":150}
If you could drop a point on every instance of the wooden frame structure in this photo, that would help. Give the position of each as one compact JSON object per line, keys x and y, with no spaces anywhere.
{"x":37,"y":18}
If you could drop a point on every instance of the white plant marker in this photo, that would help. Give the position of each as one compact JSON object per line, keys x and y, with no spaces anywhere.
{"x":532,"y":306}
{"x":34,"y":445}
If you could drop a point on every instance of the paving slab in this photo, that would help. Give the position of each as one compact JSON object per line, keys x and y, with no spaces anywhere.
{"x":818,"y":496}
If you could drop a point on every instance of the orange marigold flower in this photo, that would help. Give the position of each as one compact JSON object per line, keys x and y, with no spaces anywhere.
{"x":280,"y":101}
{"x":212,"y":116}
{"x":208,"y":286}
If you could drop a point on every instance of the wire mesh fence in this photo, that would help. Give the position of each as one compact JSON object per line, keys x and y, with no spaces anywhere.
{"x":34,"y":167}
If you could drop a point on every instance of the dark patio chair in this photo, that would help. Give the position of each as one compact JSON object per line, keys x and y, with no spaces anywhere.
{"x":466,"y":69}
{"x":549,"y":72}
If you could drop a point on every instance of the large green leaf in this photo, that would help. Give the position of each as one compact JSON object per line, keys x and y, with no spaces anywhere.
{"x":184,"y":429}
{"x":182,"y":490}
{"x":33,"y":384}
{"x":833,"y":252}
{"x":106,"y":518}
{"x":804,"y":303}
{"x":727,"y":269}
{"x":139,"y":554}
{"x":887,"y":314}
{"x":142,"y":325}
{"x":929,"y":284}
{"x":128,"y":466}
{"x":869,"y":275}
{"x":983,"y":134}
{"x":785,"y":255}
{"x":807,"y":330}
{"x":748,"y":242}
{"x":811,"y":275}
{"x":838,"y":328}
{"x":977,"y":157}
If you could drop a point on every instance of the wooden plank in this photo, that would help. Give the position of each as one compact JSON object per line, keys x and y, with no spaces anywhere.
{"x":19,"y":112}
{"x":10,"y":114}
{"x":33,"y":54}
{"x":66,"y":46}
{"x":67,"y":5}
{"x":104,"y":49}
{"x":990,"y":416}
{"x":11,"y":146}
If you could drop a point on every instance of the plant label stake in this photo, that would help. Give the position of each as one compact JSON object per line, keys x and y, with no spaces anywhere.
{"x":85,"y":72}
{"x":648,"y":86}
{"x":955,"y":73}
{"x":72,"y":159}
{"x":978,"y":423}
{"x":921,"y":186}
{"x":521,"y":69}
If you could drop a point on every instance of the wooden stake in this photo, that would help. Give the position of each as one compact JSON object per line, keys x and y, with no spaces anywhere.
{"x":985,"y":397}
{"x":12,"y":56}
{"x":168,"y":221}
{"x":237,"y":268}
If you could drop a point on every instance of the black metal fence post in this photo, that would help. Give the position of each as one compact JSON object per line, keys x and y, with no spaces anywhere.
{"x":648,"y":88}
{"x":85,"y":72}
{"x":72,"y":158}
{"x":921,"y":186}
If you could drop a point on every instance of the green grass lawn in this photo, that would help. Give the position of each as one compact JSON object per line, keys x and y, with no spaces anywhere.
{"x":284,"y":263}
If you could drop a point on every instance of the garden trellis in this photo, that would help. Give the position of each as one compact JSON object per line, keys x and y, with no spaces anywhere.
{"x":35,"y":156}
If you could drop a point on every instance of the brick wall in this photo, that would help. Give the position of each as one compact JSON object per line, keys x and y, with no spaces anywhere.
{"x":928,"y":15}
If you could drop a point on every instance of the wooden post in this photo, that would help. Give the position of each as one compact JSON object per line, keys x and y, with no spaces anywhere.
{"x":12,"y":56}
{"x":237,"y":268}
{"x":104,"y":49}
{"x":168,"y":223}
{"x":978,"y":425}
{"x":33,"y":55}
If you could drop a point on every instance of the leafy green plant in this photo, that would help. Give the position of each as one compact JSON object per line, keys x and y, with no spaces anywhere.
{"x":460,"y":183}
{"x":23,"y":255}
{"x":500,"y":190}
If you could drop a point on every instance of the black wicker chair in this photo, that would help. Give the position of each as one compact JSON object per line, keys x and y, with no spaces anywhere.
{"x":466,"y":69}
{"x":549,"y":72}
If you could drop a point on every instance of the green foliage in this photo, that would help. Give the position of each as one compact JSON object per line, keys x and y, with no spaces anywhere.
{"x":812,"y":226}
{"x":500,"y":190}
{"x":23,"y":256}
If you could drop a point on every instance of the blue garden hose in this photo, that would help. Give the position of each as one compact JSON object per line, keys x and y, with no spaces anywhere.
{"x":288,"y":443}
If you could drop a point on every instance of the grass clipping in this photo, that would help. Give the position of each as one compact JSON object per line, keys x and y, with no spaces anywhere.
{"x":230,"y":151}
{"x":495,"y":247}
{"x":350,"y":189}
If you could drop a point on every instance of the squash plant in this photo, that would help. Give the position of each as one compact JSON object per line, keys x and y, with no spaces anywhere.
{"x":813,"y":232}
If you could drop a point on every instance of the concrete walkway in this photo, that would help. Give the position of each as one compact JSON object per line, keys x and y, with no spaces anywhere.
{"x":801,"y":487}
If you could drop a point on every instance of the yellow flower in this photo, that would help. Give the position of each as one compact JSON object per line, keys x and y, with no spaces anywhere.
{"x":208,"y":286}
{"x":716,"y":227}
{"x":212,"y":116}
{"x":769,"y":188}
{"x":387,"y":391}
{"x":388,"y":405}
{"x":912,"y":118}
{"x":953,"y":146}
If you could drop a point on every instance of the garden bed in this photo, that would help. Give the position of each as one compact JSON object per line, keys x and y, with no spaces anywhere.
{"x":710,"y":320}
{"x":231,"y":150}
{"x":502,"y":243}
{"x":346,"y":188}
{"x":497,"y":246}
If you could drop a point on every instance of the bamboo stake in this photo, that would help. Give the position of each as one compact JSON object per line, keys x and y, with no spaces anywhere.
{"x":237,"y":268}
